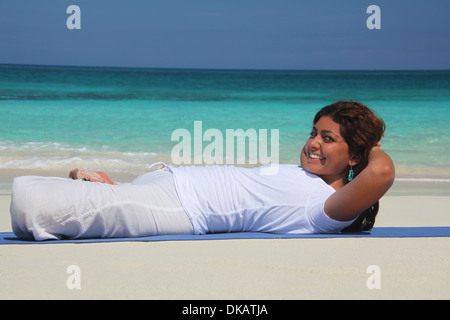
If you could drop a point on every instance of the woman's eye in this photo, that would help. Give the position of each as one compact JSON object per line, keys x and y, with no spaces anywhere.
{"x":328,"y":139}
{"x":312,"y":134}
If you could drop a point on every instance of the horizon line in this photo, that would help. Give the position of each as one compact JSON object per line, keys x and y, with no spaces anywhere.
{"x":212,"y":69}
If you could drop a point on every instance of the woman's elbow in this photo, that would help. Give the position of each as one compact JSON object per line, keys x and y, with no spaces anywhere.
{"x":385,"y":173}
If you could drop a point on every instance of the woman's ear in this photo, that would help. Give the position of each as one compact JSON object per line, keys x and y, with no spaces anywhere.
{"x":354,"y":160}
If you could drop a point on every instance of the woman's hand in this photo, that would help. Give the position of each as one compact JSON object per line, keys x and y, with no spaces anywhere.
{"x":90,"y":175}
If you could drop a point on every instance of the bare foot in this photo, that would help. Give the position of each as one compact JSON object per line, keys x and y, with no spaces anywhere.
{"x":90,"y":175}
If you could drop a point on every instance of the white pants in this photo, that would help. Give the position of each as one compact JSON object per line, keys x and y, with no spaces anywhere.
{"x":53,"y":208}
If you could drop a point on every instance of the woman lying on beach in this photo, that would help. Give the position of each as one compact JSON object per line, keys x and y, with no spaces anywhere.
{"x":343,"y":174}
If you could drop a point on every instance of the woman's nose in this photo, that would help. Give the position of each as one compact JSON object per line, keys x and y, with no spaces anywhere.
{"x":315,"y":142}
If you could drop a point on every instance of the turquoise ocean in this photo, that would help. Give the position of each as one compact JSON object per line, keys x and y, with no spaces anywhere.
{"x":119,"y":119}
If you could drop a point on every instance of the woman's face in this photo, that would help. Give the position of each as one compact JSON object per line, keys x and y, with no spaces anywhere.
{"x":326,"y":153}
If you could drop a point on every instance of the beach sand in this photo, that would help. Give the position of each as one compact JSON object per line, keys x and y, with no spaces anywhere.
{"x":411,"y":268}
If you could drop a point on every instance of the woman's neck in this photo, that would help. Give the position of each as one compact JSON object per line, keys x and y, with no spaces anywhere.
{"x":335,"y":182}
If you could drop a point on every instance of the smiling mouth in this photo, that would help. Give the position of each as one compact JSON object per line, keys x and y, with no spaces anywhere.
{"x":315,"y":156}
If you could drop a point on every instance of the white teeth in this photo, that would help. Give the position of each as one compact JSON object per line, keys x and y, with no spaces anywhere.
{"x":314,"y":156}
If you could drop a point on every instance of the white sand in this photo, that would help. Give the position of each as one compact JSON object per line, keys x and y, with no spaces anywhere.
{"x":412,"y":268}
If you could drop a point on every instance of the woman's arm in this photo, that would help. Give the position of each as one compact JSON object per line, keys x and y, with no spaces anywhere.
{"x":363,"y":191}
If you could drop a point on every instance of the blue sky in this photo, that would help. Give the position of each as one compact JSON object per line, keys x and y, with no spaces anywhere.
{"x":228,"y":34}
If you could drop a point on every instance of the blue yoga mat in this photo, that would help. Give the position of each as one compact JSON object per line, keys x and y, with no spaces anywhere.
{"x":379,"y":232}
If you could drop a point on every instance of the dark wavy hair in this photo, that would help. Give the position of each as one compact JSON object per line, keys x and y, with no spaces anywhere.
{"x":361,"y":129}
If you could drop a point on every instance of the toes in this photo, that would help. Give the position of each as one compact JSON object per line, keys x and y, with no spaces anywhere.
{"x":74,"y":174}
